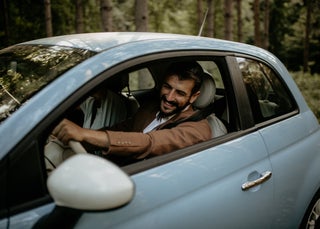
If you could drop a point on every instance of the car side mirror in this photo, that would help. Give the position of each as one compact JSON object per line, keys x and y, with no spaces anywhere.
{"x":88,"y":182}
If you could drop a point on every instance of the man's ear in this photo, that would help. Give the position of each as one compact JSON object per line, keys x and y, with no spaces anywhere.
{"x":194,"y":96}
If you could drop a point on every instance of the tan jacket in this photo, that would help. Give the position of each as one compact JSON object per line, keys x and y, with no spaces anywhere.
{"x":159,"y":141}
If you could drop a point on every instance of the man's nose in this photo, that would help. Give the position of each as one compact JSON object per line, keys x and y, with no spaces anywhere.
{"x":171,"y":95}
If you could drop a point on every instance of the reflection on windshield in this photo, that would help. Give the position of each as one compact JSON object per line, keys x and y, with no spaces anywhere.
{"x":25,"y":69}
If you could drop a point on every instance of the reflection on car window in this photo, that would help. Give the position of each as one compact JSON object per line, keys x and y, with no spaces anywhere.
{"x":25,"y":69}
{"x":268,"y":96}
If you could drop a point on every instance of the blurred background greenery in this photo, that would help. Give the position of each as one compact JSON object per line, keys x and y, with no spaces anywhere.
{"x":290,"y":29}
{"x":309,"y":84}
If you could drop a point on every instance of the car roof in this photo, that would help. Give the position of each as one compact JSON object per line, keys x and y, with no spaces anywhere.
{"x":98,"y":42}
{"x":102,"y":41}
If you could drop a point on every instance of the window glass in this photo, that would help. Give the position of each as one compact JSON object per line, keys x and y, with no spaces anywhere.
{"x":26,"y":182}
{"x":213,"y":69}
{"x":25,"y":69}
{"x":268,"y":96}
{"x":140,"y":80}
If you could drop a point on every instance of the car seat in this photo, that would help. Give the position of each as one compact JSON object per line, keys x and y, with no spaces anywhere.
{"x":205,"y":102}
{"x":113,"y":108}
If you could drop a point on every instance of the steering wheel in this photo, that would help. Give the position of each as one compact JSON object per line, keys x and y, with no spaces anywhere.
{"x":55,"y":152}
{"x":77,"y":147}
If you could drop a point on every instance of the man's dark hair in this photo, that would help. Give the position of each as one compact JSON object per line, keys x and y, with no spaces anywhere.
{"x":186,"y":70}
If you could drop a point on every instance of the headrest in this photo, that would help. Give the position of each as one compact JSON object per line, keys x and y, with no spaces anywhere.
{"x":118,"y":82}
{"x":207,"y":92}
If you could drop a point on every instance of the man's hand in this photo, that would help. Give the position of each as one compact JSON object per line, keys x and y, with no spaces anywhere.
{"x":67,"y":130}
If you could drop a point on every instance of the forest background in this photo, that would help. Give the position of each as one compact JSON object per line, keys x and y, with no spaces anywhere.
{"x":290,"y":29}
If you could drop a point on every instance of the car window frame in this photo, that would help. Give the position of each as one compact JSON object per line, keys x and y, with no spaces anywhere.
{"x":185,"y":54}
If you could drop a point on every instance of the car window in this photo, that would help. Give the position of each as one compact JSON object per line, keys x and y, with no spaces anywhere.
{"x":267,"y":95}
{"x":117,"y":106}
{"x":212,"y":68}
{"x":25,"y":69}
{"x":140,"y":79}
{"x":26,"y":181}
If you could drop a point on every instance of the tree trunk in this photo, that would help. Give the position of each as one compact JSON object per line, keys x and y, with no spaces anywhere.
{"x":5,"y":15}
{"x":200,"y":14}
{"x":307,"y":36}
{"x":106,"y":15}
{"x":141,"y":15}
{"x":239,"y":20}
{"x":48,"y":18}
{"x":266,"y":24}
{"x":141,"y":21}
{"x":210,"y":19}
{"x":256,"y":13}
{"x":228,"y":33}
{"x":79,"y":16}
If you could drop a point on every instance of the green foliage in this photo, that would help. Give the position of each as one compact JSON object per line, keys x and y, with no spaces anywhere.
{"x":287,"y":33}
{"x":63,"y":19}
{"x":177,"y":16}
{"x":309,"y":84}
{"x":281,"y":18}
{"x":26,"y":21}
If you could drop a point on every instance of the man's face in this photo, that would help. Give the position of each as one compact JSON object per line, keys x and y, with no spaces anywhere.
{"x":176,"y":94}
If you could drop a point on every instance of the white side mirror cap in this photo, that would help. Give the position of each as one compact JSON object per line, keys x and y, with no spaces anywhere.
{"x":88,"y":182}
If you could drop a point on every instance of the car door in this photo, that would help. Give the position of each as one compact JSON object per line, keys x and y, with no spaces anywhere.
{"x":223,"y":183}
{"x":202,"y":190}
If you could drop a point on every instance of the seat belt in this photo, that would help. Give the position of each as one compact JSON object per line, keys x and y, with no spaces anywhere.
{"x":197,"y":116}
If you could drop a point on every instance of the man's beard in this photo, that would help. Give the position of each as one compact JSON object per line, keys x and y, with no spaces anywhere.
{"x":178,"y":109}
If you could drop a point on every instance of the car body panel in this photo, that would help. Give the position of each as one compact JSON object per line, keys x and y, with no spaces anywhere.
{"x":29,"y":218}
{"x":165,"y":197}
{"x":287,"y":142}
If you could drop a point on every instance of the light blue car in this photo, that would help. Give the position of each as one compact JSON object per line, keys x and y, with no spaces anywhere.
{"x":261,"y":169}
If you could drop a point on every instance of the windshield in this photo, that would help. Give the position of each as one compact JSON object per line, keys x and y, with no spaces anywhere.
{"x":25,"y":69}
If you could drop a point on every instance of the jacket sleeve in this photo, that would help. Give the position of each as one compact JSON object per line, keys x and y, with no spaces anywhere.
{"x":158,"y":142}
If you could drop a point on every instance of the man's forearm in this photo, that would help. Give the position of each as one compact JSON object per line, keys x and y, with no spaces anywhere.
{"x":96,"y":138}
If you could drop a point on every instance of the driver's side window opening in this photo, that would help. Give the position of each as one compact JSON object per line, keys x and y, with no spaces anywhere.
{"x":120,"y":96}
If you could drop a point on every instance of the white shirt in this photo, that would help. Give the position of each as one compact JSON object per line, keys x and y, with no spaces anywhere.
{"x":156,"y":122}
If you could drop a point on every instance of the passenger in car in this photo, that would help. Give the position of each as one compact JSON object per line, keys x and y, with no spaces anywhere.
{"x":150,"y":132}
{"x":106,"y":106}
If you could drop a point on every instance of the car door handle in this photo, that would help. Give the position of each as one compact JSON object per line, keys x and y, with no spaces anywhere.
{"x":264,"y":177}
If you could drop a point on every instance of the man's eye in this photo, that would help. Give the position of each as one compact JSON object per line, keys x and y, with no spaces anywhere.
{"x":166,"y":86}
{"x":181,"y":93}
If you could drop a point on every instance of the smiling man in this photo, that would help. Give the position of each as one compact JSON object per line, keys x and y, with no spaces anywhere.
{"x":158,"y":127}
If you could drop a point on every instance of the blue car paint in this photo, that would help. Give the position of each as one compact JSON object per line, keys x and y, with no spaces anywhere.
{"x":286,"y":142}
{"x":166,"y":194}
